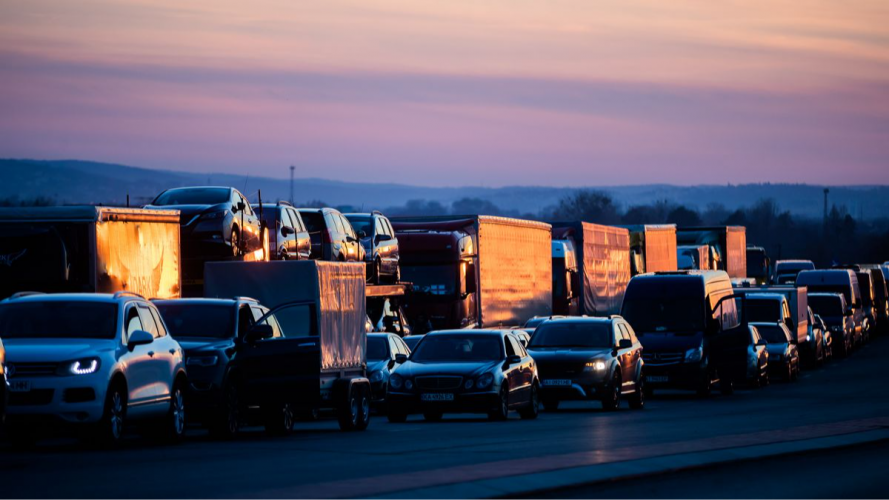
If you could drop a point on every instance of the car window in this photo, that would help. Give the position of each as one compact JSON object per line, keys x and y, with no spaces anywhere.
{"x":394,"y":348}
{"x":248,"y":210}
{"x":161,"y":328}
{"x":133,"y":321}
{"x":519,"y":348}
{"x":286,"y":219}
{"x":754,"y":335}
{"x":378,"y":227}
{"x":402,"y":347}
{"x":623,"y":332}
{"x":617,"y":334}
{"x":259,"y":312}
{"x":389,"y":230}
{"x":629,"y":329}
{"x":510,"y":348}
{"x":245,"y":320}
{"x":296,"y":220}
{"x":147,"y":321}
{"x":347,"y":227}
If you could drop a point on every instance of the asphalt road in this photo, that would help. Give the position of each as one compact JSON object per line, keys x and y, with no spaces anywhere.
{"x":319,"y":460}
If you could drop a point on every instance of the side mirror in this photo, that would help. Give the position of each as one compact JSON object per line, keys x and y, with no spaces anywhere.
{"x":260,"y":332}
{"x":400,"y":358}
{"x":139,"y":337}
{"x":383,"y":237}
{"x":287,"y":231}
{"x":624,"y":344}
{"x":241,"y":206}
{"x":513,"y":360}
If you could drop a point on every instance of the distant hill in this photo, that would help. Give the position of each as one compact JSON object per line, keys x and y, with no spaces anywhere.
{"x":72,"y":181}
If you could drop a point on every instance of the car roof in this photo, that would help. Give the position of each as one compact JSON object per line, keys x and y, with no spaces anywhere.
{"x":470,"y":332}
{"x":206,"y":301}
{"x":583,"y":319}
{"x":76,"y":297}
{"x":765,"y":296}
{"x":379,"y":334}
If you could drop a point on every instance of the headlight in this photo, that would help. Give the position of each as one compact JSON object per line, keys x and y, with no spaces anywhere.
{"x":376,"y":376}
{"x":201,"y":361}
{"x":468,"y":384}
{"x":485,"y":381}
{"x":396,"y":382}
{"x":808,"y":338}
{"x":597,"y":365}
{"x":695,"y":354}
{"x":83,"y":366}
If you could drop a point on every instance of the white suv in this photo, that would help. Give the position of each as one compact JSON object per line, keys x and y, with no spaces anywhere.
{"x":90,"y":359}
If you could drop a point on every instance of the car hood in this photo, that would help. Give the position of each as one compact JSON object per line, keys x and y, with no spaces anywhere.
{"x":54,"y":350}
{"x":187,"y":212}
{"x":774,"y":348}
{"x":657,"y":341}
{"x":375,"y":366}
{"x":567,"y":354}
{"x":196,"y":344}
{"x":413,"y":369}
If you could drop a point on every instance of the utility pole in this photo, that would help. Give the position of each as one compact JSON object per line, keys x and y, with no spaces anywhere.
{"x":292,"y":168}
{"x":826,"y":191}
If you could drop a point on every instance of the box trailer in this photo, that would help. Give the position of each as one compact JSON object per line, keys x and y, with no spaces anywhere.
{"x":475,"y":270}
{"x":601,"y":270}
{"x":652,"y":248}
{"x":320,"y":361}
{"x":728,"y":246}
{"x":90,"y":249}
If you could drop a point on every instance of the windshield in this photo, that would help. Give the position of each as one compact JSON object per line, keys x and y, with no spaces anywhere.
{"x":765,"y":311}
{"x":199,"y":320}
{"x":793,"y":267}
{"x":458,"y":348}
{"x":664,"y":314}
{"x":841,"y":289}
{"x":58,"y":319}
{"x":377,"y":348}
{"x":826,"y":306}
{"x":362,"y":223}
{"x":573,"y":334}
{"x":431,"y":280}
{"x":193,"y":196}
{"x":772,"y":334}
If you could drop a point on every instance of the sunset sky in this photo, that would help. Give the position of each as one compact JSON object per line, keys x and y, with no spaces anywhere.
{"x":475,"y":92}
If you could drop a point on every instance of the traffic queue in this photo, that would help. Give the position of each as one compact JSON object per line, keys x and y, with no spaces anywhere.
{"x":202,"y":309}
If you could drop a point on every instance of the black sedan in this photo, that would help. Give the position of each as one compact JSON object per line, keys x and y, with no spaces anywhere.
{"x":382,"y":350}
{"x":460,"y":371}
{"x":783,"y":354}
{"x":589,"y":359}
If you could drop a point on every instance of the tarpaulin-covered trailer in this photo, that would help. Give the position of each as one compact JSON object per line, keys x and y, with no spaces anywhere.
{"x":603,"y":266}
{"x":90,"y":249}
{"x":475,"y":270}
{"x":728,"y":246}
{"x":652,"y":248}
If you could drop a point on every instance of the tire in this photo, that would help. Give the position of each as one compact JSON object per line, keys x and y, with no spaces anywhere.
{"x":236,"y":242}
{"x":611,"y":400}
{"x":396,"y":417}
{"x":111,"y":427}
{"x":227,"y":424}
{"x":349,"y":412}
{"x":378,"y":272}
{"x":432,"y":416}
{"x":550,"y":404}
{"x":279,"y":419}
{"x":174,"y":421}
{"x":637,"y":400}
{"x":363,"y":408}
{"x":532,"y":409}
{"x":501,"y":410}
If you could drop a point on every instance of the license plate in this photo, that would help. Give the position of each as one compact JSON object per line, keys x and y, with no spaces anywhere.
{"x":557,"y":382}
{"x":657,"y":378}
{"x":19,"y":385}
{"x":437,"y":396}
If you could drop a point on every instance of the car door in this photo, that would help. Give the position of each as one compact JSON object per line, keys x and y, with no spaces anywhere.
{"x":170,"y":349}
{"x":353,"y":252}
{"x":521,"y":386}
{"x":527,"y":374}
{"x":635,"y":353}
{"x":394,"y":254}
{"x":512,"y":372}
{"x":139,"y":371}
{"x":303,"y":241}
{"x":625,"y":358}
{"x":159,"y":356}
{"x":758,"y":351}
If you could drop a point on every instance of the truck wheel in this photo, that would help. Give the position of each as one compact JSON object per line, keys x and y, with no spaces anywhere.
{"x":110,"y":429}
{"x":637,"y":399}
{"x":228,"y":421}
{"x":611,"y":400}
{"x":532,"y":409}
{"x":174,"y":421}
{"x":349,"y":412}
{"x":501,"y":408}
{"x":363,"y":408}
{"x":279,"y":419}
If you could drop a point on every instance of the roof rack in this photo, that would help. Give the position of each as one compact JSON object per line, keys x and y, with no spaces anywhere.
{"x":377,"y":212}
{"x":19,"y":295}
{"x":285,"y":203}
{"x":250,"y":299}
{"x":127,"y":293}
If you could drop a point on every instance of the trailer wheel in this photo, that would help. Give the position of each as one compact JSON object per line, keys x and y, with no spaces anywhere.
{"x":349,"y":412}
{"x":363,"y":407}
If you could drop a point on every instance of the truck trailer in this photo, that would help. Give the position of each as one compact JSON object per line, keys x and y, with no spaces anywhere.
{"x":319,"y":359}
{"x":594,"y":285}
{"x":652,"y":248}
{"x":728,"y":246}
{"x":90,"y":249}
{"x":474,"y":271}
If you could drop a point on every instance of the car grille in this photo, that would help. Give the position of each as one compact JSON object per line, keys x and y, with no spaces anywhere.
{"x":662,"y":358}
{"x":559,"y":370}
{"x":438,"y":383}
{"x":33,"y":369}
{"x":36,"y":397}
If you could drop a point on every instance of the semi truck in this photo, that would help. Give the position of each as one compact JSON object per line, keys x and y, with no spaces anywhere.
{"x":728,"y":246}
{"x":652,"y":248}
{"x":590,"y":267}
{"x":318,"y":357}
{"x":759,"y":266}
{"x":90,"y":249}
{"x":474,"y":271}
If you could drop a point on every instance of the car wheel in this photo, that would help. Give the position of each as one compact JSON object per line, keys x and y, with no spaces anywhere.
{"x":397,"y":276}
{"x":228,"y":422}
{"x":532,"y":409}
{"x":637,"y":400}
{"x":111,"y":427}
{"x":378,"y":272}
{"x":432,"y":416}
{"x":279,"y":419}
{"x":236,"y":242}
{"x":550,"y":404}
{"x":174,"y":422}
{"x":363,"y":408}
{"x":501,"y":409}
{"x":349,"y":412}
{"x":611,"y":399}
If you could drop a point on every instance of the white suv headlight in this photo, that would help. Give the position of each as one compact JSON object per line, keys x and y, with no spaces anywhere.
{"x":83,"y":366}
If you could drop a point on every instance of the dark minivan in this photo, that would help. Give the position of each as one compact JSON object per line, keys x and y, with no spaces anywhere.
{"x":681,"y":319}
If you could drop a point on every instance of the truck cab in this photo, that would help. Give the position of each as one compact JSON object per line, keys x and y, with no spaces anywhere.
{"x":565,"y":278}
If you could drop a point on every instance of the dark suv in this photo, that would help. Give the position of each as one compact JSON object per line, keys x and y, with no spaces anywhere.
{"x":211,"y":331}
{"x":380,"y":245}
{"x":588,"y":359}
{"x":217,"y":223}
{"x":333,"y":237}
{"x":288,"y":237}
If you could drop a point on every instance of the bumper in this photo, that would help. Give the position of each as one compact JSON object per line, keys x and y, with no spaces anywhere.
{"x":470,"y":402}
{"x":686,"y":376}
{"x":75,"y":400}
{"x":579,"y":388}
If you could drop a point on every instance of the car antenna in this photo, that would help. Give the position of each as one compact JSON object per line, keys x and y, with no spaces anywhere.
{"x":128,"y":200}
